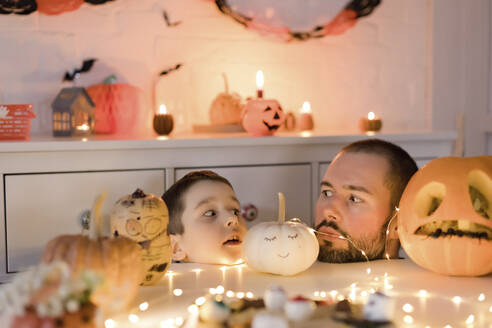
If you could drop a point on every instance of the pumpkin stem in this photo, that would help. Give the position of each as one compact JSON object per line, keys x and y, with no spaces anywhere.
{"x":95,"y":228}
{"x":110,"y":79}
{"x":281,"y":207}
{"x":226,"y":84}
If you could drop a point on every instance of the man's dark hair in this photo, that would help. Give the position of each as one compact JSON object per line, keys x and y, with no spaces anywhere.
{"x":173,"y":197}
{"x":401,"y":165}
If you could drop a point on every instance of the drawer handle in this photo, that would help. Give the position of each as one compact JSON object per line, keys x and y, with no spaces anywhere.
{"x":249,"y":212}
{"x":85,"y":219}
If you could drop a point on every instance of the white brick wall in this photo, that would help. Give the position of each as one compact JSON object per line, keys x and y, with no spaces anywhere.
{"x":380,"y":65}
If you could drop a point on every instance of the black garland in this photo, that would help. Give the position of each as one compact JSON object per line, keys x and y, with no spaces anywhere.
{"x":86,"y":67}
{"x":360,"y":7}
{"x":19,"y":7}
{"x":97,"y":2}
{"x":168,"y":21}
{"x":172,"y":69}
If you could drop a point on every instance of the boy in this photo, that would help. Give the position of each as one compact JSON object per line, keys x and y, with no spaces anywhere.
{"x":205,"y":223}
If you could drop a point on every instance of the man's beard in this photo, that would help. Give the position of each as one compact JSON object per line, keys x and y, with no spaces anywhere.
{"x":372,"y":247}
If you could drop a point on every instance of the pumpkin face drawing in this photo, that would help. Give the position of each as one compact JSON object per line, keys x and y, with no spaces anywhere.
{"x":262,"y":117}
{"x":280,"y":247}
{"x":444,"y":222}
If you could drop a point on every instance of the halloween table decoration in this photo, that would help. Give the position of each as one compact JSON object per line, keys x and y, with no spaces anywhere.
{"x":280,"y":247}
{"x":15,"y":121}
{"x":117,"y":106}
{"x":262,"y":117}
{"x":306,"y":122}
{"x":226,"y":107}
{"x":117,"y":259}
{"x":48,"y":296}
{"x":73,"y":113}
{"x":55,"y":7}
{"x":444,"y":222}
{"x":144,"y":219}
{"x":163,"y":122}
{"x":371,"y":123}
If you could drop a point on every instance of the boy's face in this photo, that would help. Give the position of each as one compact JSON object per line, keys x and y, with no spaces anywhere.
{"x":354,"y":203}
{"x":213,"y":226}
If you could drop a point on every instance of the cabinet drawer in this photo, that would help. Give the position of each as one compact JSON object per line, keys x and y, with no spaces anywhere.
{"x":42,"y":206}
{"x":259,"y":185}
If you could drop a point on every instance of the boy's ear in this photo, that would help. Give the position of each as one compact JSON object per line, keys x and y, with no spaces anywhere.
{"x":178,"y":253}
{"x":392,"y":240}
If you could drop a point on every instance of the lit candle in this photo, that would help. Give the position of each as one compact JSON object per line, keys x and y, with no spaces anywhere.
{"x":306,"y":122}
{"x":163,"y":121}
{"x":260,"y":81}
{"x":371,"y":123}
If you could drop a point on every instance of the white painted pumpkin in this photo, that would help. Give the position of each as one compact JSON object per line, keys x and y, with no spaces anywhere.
{"x":144,"y":219}
{"x":280,"y":247}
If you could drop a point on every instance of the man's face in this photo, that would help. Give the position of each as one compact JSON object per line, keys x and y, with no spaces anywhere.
{"x":354,"y":203}
{"x":213,"y":227}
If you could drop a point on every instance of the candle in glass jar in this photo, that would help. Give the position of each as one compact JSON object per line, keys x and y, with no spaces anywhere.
{"x":163,"y":121}
{"x":371,"y":123}
{"x":306,"y":122}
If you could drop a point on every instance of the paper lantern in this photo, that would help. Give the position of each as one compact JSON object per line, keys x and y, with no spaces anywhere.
{"x":280,"y":247}
{"x":262,"y":117}
{"x":73,"y":113}
{"x":444,"y":222}
{"x":118,"y":260}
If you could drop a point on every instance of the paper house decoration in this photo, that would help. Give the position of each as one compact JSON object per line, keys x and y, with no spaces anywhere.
{"x":73,"y":113}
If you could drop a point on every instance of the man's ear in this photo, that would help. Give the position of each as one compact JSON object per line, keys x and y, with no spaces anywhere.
{"x":392,"y":240}
{"x":178,"y":253}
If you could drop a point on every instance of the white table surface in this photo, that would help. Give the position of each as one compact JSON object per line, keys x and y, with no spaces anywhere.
{"x":401,"y":279}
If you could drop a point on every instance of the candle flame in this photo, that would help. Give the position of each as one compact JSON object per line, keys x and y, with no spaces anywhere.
{"x":83,"y":127}
{"x":371,"y":115}
{"x":306,"y":107}
{"x":162,"y":109}
{"x":260,"y":81}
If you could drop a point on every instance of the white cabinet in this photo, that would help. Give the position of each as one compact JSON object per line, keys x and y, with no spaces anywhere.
{"x":45,"y":184}
{"x":39,"y":207}
{"x":259,"y":185}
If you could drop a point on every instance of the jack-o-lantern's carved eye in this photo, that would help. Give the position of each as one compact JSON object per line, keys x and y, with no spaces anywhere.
{"x":267,"y":109}
{"x":271,"y":239}
{"x":292,"y":236}
{"x":480,"y":189}
{"x":429,"y":199}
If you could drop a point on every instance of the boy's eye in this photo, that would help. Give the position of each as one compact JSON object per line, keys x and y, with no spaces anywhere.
{"x":210,"y":213}
{"x":270,"y":239}
{"x":327,"y":192}
{"x":355,"y":199}
{"x":236,"y":212}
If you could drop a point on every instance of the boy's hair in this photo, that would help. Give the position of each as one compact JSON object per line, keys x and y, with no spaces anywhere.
{"x":173,"y":197}
{"x":401,"y":165}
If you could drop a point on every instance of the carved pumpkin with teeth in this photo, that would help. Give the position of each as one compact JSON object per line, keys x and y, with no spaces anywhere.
{"x":445,"y":217}
{"x":280,"y":247}
{"x":262,"y":117}
{"x":144,"y":219}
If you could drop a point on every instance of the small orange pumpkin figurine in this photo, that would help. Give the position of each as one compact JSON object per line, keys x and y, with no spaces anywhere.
{"x":55,"y":7}
{"x":118,"y":260}
{"x":262,"y":117}
{"x":226,"y":107}
{"x":444,"y":222}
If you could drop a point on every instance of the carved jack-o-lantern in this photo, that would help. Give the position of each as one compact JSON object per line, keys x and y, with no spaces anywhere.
{"x":280,"y":247}
{"x":144,"y":219}
{"x":262,"y":117}
{"x":445,"y":215}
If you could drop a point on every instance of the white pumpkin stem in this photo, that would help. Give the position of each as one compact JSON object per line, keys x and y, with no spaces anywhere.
{"x":281,"y":207}
{"x":95,"y":223}
{"x":226,"y":84}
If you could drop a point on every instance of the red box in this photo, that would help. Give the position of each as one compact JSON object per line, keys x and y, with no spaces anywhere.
{"x":15,"y":122}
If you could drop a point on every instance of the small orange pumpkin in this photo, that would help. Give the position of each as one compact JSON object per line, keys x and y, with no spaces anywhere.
{"x":118,"y":106}
{"x":226,"y":107}
{"x":55,"y":7}
{"x":118,"y":260}
{"x":444,"y":222}
{"x":262,"y":117}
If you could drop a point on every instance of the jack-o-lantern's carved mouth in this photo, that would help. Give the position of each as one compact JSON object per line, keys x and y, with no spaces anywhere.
{"x":272,"y":127}
{"x":460,"y":228}
{"x":283,"y":256}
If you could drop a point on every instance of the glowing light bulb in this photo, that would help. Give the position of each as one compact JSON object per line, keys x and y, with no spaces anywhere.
{"x":423,"y":293}
{"x":178,"y":292}
{"x":219,"y":289}
{"x":322,"y":294}
{"x":316,"y":294}
{"x":193,"y":309}
{"x":110,"y":323}
{"x":169,"y":323}
{"x":200,"y":300}
{"x":333,"y":293}
{"x":448,"y":326}
{"x":212,"y":291}
{"x":179,"y":321}
{"x":133,"y":318}
{"x":481,"y":297}
{"x":470,"y":319}
{"x":368,"y":270}
{"x":250,"y":295}
{"x":408,"y":319}
{"x":144,"y":306}
{"x":456,"y":300}
{"x":230,"y":293}
{"x":408,"y":308}
{"x":240,"y":295}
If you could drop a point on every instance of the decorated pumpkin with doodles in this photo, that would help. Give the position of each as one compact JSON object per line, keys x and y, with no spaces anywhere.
{"x":281,"y":247}
{"x":262,"y":117}
{"x":144,"y":219}
{"x":444,"y":222}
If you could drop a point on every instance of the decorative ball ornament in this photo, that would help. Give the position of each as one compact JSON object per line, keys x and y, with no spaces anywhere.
{"x":262,"y":117}
{"x":444,"y":222}
{"x":55,"y":7}
{"x":144,"y":219}
{"x":280,"y":247}
{"x":226,"y":107}
{"x":118,"y":260}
